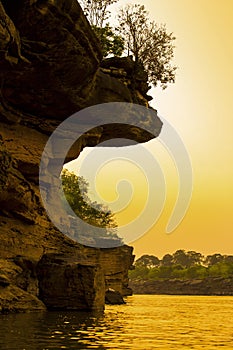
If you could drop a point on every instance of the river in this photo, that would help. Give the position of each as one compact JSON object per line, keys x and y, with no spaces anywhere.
{"x":145,"y":322}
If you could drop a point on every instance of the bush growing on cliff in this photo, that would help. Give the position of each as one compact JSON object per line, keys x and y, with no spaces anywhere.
{"x":112,"y":44}
{"x":97,"y":13}
{"x":75,"y":189}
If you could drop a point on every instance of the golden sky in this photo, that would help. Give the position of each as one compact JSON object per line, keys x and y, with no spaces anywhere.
{"x":200,"y":108}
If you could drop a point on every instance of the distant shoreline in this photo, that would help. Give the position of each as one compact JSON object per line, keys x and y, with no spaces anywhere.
{"x":218,"y":286}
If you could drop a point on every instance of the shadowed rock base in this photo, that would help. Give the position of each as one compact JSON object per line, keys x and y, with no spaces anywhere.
{"x":14,"y":299}
{"x":67,"y":284}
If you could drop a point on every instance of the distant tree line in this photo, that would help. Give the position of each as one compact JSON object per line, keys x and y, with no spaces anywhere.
{"x":182,"y":265}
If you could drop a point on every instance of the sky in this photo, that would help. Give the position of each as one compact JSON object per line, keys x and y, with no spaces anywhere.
{"x":199,"y":106}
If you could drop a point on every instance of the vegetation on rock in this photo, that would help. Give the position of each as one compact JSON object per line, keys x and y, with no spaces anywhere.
{"x":111,"y":43}
{"x":36,"y":104}
{"x":75,"y":189}
{"x":97,"y":11}
{"x":148,"y":43}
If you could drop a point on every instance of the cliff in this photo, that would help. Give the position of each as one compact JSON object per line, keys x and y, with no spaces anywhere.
{"x":50,"y":68}
{"x":206,"y":286}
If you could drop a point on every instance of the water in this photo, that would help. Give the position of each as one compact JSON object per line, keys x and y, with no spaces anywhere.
{"x":146,"y":322}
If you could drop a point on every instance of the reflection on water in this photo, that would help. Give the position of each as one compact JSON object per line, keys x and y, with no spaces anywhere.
{"x":145,"y":322}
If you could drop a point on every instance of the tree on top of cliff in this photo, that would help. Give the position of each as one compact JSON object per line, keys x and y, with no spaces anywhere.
{"x":97,"y":11}
{"x":148,"y":43}
{"x":112,"y":44}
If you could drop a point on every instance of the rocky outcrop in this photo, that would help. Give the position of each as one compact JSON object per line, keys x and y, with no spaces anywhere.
{"x":206,"y":286}
{"x":67,"y":283}
{"x":60,"y":54}
{"x":113,"y":297}
{"x":132,"y":75}
{"x":116,"y":271}
{"x":49,"y":69}
{"x":18,"y":286}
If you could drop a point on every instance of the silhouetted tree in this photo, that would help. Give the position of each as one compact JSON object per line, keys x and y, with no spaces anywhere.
{"x":167,"y":260}
{"x":180,"y":258}
{"x":194,"y":258}
{"x":214,"y":259}
{"x":111,"y":43}
{"x":148,"y":43}
{"x":228,"y":259}
{"x":148,"y":261}
{"x":97,"y":11}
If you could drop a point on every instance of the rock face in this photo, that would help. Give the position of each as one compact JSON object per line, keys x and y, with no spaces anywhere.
{"x":84,"y":283}
{"x":131,"y":75}
{"x":116,"y":271}
{"x":50,"y":68}
{"x":59,"y":57}
{"x":206,"y":286}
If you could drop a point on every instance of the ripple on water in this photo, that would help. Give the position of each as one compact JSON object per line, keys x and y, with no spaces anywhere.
{"x":145,"y":322}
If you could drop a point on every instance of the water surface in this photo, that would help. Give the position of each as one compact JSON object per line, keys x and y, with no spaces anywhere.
{"x":145,"y":322}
